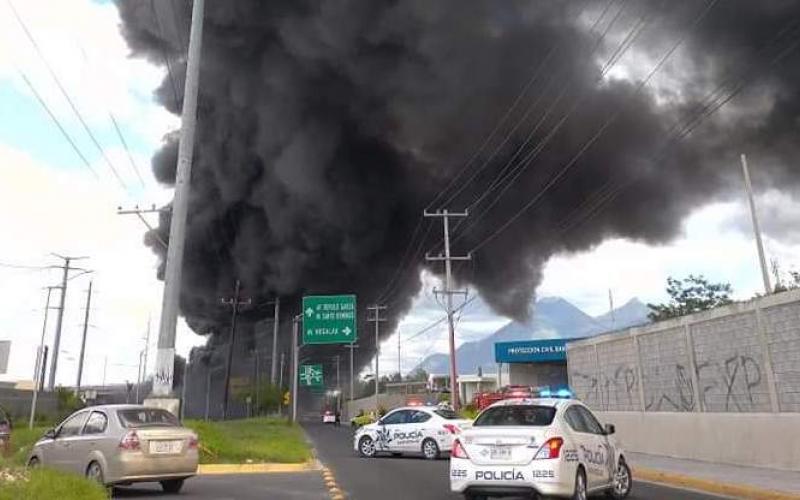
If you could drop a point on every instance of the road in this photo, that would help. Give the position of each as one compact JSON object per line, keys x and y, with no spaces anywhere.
{"x":295,"y":486}
{"x":389,"y":478}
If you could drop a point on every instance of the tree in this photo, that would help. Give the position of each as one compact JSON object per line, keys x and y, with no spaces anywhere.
{"x":690,"y":295}
{"x":418,"y":375}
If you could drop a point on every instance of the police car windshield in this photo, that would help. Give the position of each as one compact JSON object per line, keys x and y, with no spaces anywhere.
{"x":516,"y":415}
{"x":446,"y":414}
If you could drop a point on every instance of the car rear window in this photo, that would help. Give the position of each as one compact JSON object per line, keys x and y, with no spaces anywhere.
{"x":447,"y":414}
{"x":147,"y":417}
{"x":516,"y":415}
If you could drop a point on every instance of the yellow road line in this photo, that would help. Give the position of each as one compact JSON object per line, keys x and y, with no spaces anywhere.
{"x":711,"y":486}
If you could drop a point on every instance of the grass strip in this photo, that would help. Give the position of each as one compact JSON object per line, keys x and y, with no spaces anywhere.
{"x":254,"y":440}
{"x":18,"y":484}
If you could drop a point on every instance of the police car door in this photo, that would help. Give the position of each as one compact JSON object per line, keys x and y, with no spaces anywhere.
{"x":597,"y":455}
{"x":391,"y":428}
{"x":416,"y":430}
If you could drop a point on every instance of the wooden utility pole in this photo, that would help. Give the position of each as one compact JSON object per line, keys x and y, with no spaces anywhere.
{"x":448,"y":292}
{"x":234,"y":302}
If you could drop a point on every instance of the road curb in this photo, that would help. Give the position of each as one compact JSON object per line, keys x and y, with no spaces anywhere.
{"x":330,"y":483}
{"x":211,"y":469}
{"x":710,"y":486}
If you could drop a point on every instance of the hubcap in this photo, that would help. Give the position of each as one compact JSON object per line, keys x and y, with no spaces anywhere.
{"x":430,"y":449}
{"x":622,"y":480}
{"x":94,"y":473}
{"x":367,"y":447}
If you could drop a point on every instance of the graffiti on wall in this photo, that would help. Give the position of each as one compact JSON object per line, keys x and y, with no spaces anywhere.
{"x":735,"y":378}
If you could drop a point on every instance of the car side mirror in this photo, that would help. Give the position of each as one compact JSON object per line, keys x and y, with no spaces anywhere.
{"x":609,"y":429}
{"x":50,"y":434}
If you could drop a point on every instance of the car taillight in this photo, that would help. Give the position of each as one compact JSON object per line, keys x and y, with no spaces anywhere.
{"x":193,"y":442}
{"x":130,"y":441}
{"x":550,"y":449}
{"x":452,"y":429}
{"x":458,"y":450}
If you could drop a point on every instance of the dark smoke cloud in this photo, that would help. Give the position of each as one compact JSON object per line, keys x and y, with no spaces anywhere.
{"x":326,"y":127}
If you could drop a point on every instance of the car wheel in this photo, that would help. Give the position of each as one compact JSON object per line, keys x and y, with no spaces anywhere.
{"x":33,"y":463}
{"x":366,"y":446}
{"x":94,"y":472}
{"x":172,"y":486}
{"x":623,"y":482}
{"x":469,"y":496}
{"x":430,"y":449}
{"x":580,"y":485}
{"x":397,"y":454}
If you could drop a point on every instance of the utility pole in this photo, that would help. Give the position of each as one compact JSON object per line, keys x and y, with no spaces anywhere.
{"x":138,"y":212}
{"x":139,"y":376}
{"x":759,"y":244}
{"x":611,"y":308}
{"x":448,"y":293}
{"x":295,"y":370}
{"x":105,"y":365}
{"x":338,"y":387}
{"x":351,"y":346}
{"x":41,"y":359}
{"x":184,"y":383}
{"x":83,"y":339}
{"x":234,"y":302}
{"x":378,"y":320}
{"x":165,"y":358}
{"x":146,"y":349}
{"x":280,"y":386}
{"x":399,"y":359}
{"x":60,"y":318}
{"x":273,"y":373}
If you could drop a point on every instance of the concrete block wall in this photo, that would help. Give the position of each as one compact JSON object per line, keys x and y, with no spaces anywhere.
{"x":741,"y":358}
{"x":712,"y":386}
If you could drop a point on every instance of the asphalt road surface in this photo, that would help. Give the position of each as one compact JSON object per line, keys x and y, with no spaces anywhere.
{"x":402,"y":478}
{"x":274,"y":486}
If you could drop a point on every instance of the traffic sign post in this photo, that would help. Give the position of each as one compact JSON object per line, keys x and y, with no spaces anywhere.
{"x":329,"y":319}
{"x":311,"y":375}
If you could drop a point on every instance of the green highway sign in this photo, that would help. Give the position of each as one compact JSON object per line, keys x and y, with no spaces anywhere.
{"x":311,"y":375}
{"x":329,"y":319}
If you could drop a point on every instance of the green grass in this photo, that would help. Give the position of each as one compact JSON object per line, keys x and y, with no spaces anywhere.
{"x":22,"y":440}
{"x":47,"y":483}
{"x":260,"y":440}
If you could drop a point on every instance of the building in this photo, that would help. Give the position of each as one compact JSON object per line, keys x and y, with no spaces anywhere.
{"x":535,"y":363}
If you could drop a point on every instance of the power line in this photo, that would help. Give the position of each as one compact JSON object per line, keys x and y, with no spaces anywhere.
{"x":66,"y":94}
{"x":58,"y":123}
{"x":509,"y":174}
{"x":556,"y":178}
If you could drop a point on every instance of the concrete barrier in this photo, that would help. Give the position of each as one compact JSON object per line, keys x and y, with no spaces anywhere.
{"x":769,"y":440}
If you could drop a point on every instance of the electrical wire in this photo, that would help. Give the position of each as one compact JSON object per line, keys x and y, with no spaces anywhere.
{"x":66,"y":95}
{"x":555,"y":179}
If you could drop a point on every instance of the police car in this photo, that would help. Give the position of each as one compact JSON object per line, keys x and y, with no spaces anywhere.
{"x":548,"y":446}
{"x":428,"y":430}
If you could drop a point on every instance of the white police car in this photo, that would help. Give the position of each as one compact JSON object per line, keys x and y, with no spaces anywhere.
{"x":545,"y":446}
{"x":428,"y":430}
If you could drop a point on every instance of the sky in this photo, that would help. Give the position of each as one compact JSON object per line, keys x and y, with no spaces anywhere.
{"x":51,"y":201}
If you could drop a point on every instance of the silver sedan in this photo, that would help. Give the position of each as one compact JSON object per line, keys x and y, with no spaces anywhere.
{"x":120,"y":445}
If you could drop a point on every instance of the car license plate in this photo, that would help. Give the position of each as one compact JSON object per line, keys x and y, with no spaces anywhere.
{"x":165,"y":447}
{"x":500,"y":453}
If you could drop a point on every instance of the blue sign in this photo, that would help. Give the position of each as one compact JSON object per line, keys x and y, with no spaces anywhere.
{"x":531,"y":351}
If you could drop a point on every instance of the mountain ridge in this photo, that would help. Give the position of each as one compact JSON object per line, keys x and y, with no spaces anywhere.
{"x":552,"y":318}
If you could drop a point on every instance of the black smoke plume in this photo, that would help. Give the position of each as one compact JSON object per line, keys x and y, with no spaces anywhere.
{"x":325,"y":128}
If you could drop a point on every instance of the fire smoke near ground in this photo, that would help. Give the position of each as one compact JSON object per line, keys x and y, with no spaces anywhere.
{"x":325,"y":128}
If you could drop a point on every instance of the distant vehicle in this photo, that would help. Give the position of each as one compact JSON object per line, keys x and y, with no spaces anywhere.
{"x":547,"y":447}
{"x":426,"y":430}
{"x":121,"y":445}
{"x":328,"y":417}
{"x":5,"y":431}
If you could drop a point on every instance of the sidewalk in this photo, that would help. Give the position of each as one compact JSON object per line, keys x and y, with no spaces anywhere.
{"x":731,"y":480}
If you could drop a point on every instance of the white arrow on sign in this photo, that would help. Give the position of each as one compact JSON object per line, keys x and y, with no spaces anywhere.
{"x":347,"y":331}
{"x":309,"y":312}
